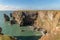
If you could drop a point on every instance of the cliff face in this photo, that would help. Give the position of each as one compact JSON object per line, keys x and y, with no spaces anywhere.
{"x":45,"y":19}
{"x":54,"y":35}
{"x":27,"y":16}
{"x":17,"y":16}
{"x":49,"y":20}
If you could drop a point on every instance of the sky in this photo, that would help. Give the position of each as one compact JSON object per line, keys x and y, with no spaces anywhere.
{"x":29,"y":4}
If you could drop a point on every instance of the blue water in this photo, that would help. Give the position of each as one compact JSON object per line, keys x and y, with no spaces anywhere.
{"x":15,"y":30}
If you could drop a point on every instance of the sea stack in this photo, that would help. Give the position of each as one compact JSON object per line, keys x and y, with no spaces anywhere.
{"x":6,"y":17}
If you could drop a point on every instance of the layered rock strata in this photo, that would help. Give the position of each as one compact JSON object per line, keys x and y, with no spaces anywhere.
{"x":43,"y":19}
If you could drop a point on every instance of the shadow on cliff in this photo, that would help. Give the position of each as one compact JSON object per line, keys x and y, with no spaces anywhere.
{"x":28,"y":19}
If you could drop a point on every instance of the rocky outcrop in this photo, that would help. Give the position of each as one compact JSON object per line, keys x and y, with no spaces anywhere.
{"x":1,"y":31}
{"x":25,"y":18}
{"x":54,"y":35}
{"x":6,"y":17}
{"x":49,"y":20}
{"x":28,"y":19}
{"x":41,"y":19}
{"x":12,"y":21}
{"x":17,"y":16}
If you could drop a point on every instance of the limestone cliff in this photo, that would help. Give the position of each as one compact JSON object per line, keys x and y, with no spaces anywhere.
{"x":17,"y":16}
{"x":46,"y":19}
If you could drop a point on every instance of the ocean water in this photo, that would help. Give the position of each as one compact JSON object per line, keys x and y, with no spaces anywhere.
{"x":15,"y":30}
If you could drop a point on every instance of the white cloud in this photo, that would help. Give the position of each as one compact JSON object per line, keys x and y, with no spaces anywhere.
{"x":5,"y":7}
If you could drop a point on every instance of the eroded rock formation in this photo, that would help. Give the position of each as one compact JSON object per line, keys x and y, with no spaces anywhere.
{"x":6,"y":17}
{"x":25,"y":18}
{"x":47,"y":20}
{"x":12,"y":21}
{"x":28,"y":19}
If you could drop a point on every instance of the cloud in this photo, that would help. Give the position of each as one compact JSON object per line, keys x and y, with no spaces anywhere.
{"x":6,"y":7}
